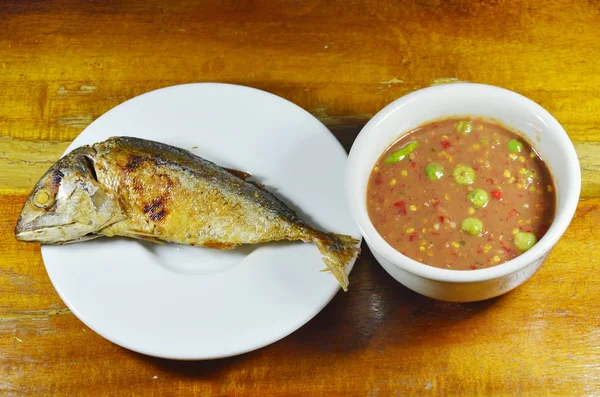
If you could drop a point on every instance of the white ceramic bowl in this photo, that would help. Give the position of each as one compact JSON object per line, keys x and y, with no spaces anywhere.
{"x":459,"y":100}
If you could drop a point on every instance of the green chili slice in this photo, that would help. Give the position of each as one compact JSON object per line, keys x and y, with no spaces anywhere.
{"x":464,"y":127}
{"x":515,"y":146}
{"x":402,"y":153}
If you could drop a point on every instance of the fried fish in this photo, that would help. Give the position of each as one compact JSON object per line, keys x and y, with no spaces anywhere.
{"x":148,"y":190}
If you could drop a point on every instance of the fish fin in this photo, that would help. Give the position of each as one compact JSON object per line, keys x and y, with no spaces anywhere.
{"x":78,"y":240}
{"x":217,"y":245}
{"x":338,"y":250}
{"x":245,"y":176}
{"x":140,"y":235}
{"x":240,"y":174}
{"x":151,"y":239}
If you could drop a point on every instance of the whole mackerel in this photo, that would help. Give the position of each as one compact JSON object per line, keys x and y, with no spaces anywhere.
{"x":148,"y":190}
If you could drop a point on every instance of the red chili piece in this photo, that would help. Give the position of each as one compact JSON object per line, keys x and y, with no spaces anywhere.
{"x":401,"y":205}
{"x":413,"y":236}
{"x":512,"y":213}
{"x":446,"y":144}
{"x":497,"y":194}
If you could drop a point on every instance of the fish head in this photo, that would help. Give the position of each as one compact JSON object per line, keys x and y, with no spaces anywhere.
{"x":68,"y":204}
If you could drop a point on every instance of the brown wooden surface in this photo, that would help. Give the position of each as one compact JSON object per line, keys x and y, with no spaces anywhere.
{"x":64,"y":63}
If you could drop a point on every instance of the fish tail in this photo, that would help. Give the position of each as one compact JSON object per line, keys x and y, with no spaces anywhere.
{"x":338,"y":250}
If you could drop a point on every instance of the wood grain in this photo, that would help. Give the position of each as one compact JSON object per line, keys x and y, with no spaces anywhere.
{"x":65,"y":63}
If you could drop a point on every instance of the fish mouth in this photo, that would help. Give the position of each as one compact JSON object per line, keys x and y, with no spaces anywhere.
{"x":41,"y":236}
{"x":24,"y":236}
{"x":49,"y":234}
{"x":22,"y":232}
{"x":29,"y":235}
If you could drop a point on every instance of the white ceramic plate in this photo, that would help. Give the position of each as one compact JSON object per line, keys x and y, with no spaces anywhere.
{"x":182,"y":302}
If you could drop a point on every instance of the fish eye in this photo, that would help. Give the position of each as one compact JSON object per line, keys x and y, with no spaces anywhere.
{"x":42,"y":199}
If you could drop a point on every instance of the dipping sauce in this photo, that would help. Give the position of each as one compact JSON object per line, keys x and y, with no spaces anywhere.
{"x":461,"y":194}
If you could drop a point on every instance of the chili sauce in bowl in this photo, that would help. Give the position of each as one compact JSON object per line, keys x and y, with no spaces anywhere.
{"x":461,"y":194}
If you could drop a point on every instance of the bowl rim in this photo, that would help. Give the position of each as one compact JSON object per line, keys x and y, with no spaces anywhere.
{"x":544,"y":245}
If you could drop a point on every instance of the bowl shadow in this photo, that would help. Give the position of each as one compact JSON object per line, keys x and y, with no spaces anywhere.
{"x":377,"y":310}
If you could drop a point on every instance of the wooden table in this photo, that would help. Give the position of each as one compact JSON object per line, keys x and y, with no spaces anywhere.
{"x":64,"y":63}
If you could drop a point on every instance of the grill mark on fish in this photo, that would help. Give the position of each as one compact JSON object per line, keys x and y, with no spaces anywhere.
{"x":158,"y":216}
{"x":154,"y":205}
{"x":133,"y":163}
{"x":137,"y":187}
{"x":169,"y":182}
{"x":156,"y":210}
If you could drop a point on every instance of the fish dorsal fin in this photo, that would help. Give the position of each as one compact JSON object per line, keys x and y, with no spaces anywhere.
{"x":239,"y":174}
{"x":245,"y":176}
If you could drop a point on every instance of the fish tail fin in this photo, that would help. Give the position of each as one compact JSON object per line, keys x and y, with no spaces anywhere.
{"x":338,"y":250}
